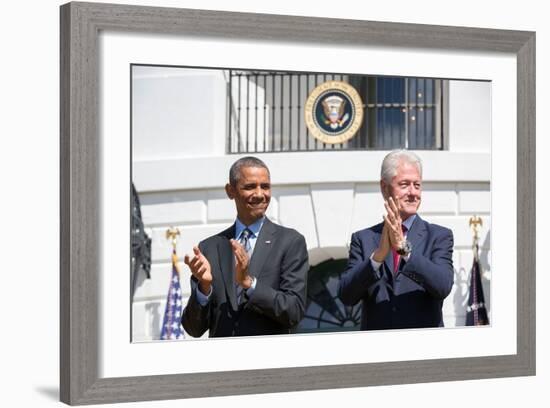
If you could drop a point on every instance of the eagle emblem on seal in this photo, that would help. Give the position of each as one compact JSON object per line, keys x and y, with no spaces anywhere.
{"x":333,"y":112}
{"x":333,"y":107}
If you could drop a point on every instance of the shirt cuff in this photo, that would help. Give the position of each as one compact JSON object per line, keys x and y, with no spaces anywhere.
{"x":250,"y":290}
{"x":201,"y":297}
{"x":375,"y":265}
{"x":407,"y":257}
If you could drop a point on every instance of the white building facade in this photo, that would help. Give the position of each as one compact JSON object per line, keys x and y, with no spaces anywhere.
{"x":180,"y":167}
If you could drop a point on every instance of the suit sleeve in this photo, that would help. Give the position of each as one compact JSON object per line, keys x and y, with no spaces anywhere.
{"x":359,"y":274}
{"x":434,"y":272}
{"x":287,"y":304}
{"x":195,"y":318}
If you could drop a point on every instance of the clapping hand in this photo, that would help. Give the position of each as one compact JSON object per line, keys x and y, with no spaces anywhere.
{"x":394,"y":223}
{"x":241,"y":265}
{"x":200,"y":269}
{"x":392,"y":233}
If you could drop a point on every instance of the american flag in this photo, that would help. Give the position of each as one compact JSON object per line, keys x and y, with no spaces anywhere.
{"x":171,"y":325}
{"x":476,"y":312}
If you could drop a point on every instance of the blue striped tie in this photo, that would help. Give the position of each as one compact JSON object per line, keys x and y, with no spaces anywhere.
{"x":244,"y":240}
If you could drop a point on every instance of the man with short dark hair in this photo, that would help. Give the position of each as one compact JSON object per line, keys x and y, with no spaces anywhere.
{"x":251,"y":278}
{"x":402,"y":268}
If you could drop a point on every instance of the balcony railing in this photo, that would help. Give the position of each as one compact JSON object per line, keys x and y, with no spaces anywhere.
{"x":266,"y":112}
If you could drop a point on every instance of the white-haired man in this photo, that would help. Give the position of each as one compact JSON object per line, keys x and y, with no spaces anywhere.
{"x":402,"y":268}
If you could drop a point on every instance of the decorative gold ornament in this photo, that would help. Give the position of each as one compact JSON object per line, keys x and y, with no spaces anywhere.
{"x":172,"y":234}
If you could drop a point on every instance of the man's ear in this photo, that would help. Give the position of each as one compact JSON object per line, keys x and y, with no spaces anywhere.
{"x":230,"y":191}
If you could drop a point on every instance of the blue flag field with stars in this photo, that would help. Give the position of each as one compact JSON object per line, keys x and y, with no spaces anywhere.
{"x":171,"y":324}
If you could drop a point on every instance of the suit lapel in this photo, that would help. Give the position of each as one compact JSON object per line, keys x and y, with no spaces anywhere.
{"x":264,"y":243}
{"x":416,"y":234}
{"x":227,"y":265}
{"x":389,"y":264}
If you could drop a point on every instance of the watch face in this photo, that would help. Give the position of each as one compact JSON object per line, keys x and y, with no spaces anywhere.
{"x":405,"y":249}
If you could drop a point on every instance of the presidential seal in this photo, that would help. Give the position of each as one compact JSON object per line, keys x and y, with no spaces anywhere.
{"x":334,"y":112}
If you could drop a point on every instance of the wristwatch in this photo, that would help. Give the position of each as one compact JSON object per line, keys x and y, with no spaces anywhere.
{"x":405,"y":248}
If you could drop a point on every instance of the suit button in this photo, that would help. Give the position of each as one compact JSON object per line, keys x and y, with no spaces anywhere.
{"x":394,"y":309}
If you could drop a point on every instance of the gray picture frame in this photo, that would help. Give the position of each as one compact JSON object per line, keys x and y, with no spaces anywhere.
{"x":80,"y":237}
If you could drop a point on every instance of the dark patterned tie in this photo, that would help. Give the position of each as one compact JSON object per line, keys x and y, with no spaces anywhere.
{"x":244,"y":240}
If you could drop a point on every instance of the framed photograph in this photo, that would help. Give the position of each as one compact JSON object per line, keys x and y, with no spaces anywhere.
{"x":284,"y":119}
{"x":124,"y":68}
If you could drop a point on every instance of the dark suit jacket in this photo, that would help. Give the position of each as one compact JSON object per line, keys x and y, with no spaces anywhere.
{"x":413,"y":297}
{"x":280,"y":264}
